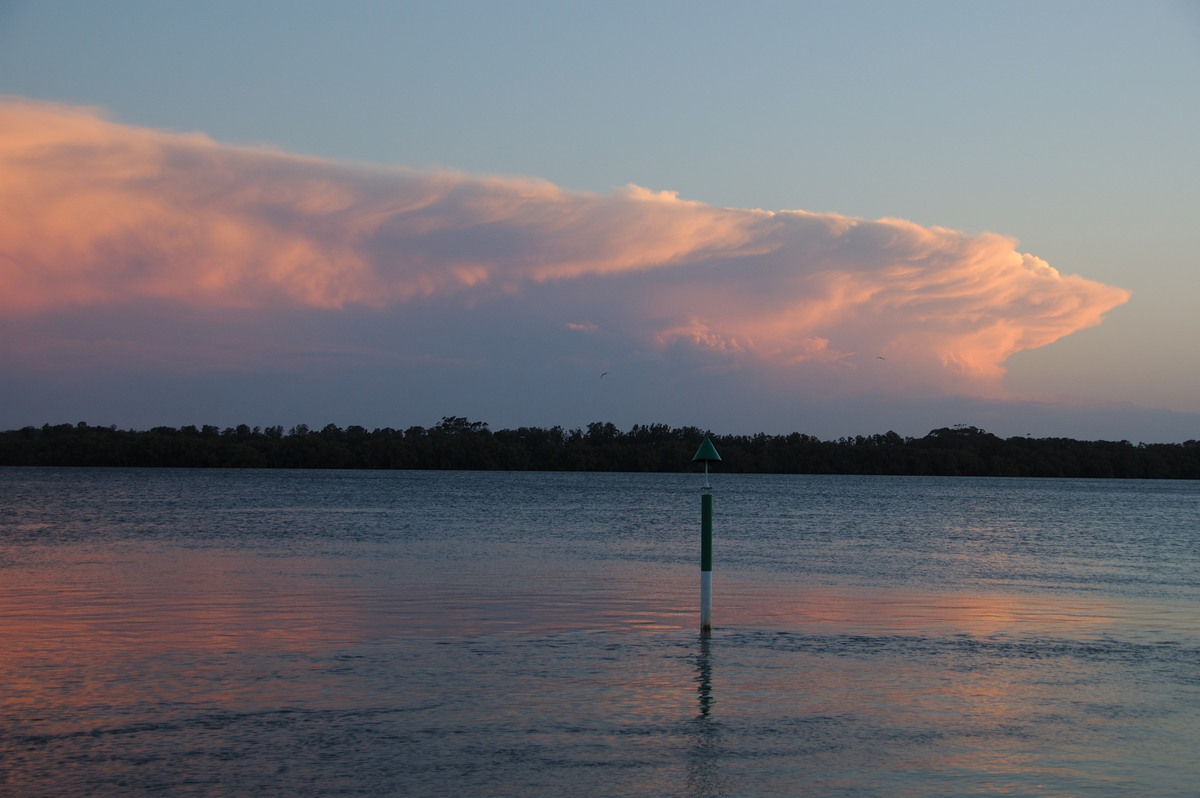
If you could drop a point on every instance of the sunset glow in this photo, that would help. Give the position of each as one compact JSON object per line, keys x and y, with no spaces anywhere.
{"x":794,"y":217}
{"x":128,"y":220}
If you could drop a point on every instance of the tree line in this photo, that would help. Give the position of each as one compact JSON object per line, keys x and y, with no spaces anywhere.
{"x":458,"y":443}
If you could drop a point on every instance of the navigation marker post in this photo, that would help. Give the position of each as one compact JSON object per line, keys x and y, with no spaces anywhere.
{"x":708,"y":454}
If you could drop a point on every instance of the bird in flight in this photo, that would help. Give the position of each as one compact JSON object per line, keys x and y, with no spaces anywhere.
{"x":602,"y":375}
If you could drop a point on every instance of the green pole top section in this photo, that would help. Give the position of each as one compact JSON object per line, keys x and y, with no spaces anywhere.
{"x":707,"y":452}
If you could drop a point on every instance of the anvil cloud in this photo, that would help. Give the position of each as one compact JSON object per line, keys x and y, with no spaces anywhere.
{"x":106,"y":220}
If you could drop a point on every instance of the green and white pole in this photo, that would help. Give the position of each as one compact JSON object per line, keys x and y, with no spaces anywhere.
{"x":708,"y":454}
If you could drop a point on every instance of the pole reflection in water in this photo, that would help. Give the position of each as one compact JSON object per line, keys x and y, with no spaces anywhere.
{"x":704,"y":764}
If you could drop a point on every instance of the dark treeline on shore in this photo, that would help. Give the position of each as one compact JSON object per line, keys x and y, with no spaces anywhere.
{"x":457,"y":443}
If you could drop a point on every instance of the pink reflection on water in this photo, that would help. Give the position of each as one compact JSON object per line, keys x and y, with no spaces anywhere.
{"x":215,"y":600}
{"x":903,"y":611}
{"x":98,"y":651}
{"x":194,"y":599}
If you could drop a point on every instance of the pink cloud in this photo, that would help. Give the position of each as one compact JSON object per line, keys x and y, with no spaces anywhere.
{"x":97,"y":214}
{"x":846,"y":292}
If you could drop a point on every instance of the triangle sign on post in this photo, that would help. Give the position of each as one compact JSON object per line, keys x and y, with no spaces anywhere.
{"x":708,"y":454}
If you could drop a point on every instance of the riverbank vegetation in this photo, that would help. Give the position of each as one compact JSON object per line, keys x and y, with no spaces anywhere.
{"x":458,"y":443}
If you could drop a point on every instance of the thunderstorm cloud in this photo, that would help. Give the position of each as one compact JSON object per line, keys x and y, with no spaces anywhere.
{"x":150,"y":242}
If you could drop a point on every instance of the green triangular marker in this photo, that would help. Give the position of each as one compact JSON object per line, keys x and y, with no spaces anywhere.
{"x":707,"y":452}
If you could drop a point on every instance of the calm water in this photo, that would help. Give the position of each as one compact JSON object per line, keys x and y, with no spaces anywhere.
{"x":417,"y":633}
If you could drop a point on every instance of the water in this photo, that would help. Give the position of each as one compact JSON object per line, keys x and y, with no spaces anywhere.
{"x":417,"y":633}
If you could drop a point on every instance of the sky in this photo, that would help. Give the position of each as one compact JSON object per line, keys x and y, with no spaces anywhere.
{"x":829,"y":218}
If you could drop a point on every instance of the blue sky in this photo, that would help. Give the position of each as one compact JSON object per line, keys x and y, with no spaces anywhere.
{"x":1068,"y":126}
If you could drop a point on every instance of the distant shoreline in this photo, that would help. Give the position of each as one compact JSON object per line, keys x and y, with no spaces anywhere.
{"x":456,"y":443}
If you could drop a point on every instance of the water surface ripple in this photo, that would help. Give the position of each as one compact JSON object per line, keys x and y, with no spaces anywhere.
{"x":177,"y":632}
